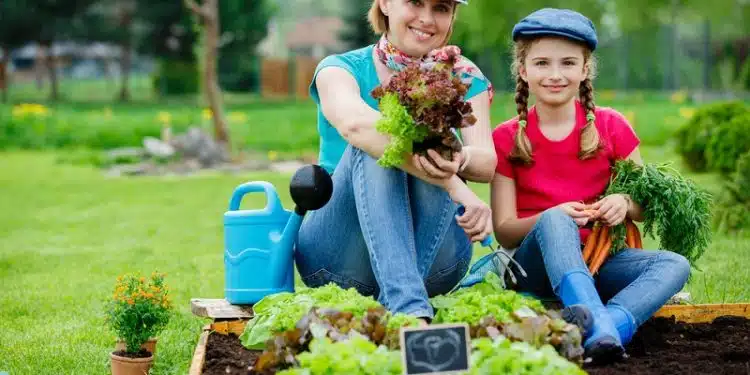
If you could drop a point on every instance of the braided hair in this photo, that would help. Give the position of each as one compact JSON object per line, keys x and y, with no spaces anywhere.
{"x":522,"y":152}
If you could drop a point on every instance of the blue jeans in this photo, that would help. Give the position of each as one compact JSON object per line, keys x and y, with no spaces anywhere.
{"x":386,"y":234}
{"x":637,"y":280}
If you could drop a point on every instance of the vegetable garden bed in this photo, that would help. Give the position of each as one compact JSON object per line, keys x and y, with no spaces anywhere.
{"x":679,"y":339}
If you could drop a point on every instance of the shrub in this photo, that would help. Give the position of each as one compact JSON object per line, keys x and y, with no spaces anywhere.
{"x":733,"y":206}
{"x":176,"y":78}
{"x":694,"y":136}
{"x":138,"y":310}
{"x":729,"y":141}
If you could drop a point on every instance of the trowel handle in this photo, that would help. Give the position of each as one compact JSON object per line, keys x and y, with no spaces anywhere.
{"x":487,"y":241}
{"x":273,"y":203}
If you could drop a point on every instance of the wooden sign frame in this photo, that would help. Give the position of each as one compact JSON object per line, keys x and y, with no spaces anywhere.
{"x":467,"y":339}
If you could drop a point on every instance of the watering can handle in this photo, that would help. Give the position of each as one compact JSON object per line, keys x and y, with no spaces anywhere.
{"x":273,"y":203}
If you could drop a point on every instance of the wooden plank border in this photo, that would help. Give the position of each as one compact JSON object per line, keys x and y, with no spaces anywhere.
{"x":704,"y":313}
{"x":199,"y":355}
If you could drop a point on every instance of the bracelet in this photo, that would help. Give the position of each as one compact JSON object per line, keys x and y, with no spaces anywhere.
{"x":467,"y":158}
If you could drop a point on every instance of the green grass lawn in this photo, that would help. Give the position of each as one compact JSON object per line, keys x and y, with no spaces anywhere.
{"x":67,"y":232}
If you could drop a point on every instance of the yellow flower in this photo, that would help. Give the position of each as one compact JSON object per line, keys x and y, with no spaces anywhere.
{"x":273,"y":155}
{"x":630,"y":116}
{"x":679,"y":97}
{"x":687,"y":112}
{"x":24,"y":109}
{"x":164,"y":117}
{"x":207,"y":114}
{"x":239,"y":117}
{"x":608,"y":95}
{"x":130,"y":301}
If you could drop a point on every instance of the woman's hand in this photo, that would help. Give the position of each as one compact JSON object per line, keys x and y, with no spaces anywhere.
{"x":477,"y":218}
{"x":438,"y":167}
{"x":578,"y":211}
{"x":612,"y":209}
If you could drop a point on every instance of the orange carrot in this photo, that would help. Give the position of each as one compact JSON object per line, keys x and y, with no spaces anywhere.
{"x":638,"y":239}
{"x":629,"y":234}
{"x":601,"y":252}
{"x":591,"y":242}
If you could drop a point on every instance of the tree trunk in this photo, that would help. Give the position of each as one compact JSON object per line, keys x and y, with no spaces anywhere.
{"x":209,"y":14}
{"x":50,"y":64}
{"x":4,"y":75}
{"x":126,"y":11}
{"x":125,"y":70}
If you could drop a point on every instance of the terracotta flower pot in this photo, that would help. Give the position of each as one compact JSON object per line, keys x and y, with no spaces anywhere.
{"x":149,"y":345}
{"x":130,"y":366}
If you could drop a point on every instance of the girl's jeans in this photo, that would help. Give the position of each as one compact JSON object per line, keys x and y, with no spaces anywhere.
{"x":639,"y":281}
{"x":385,"y":233}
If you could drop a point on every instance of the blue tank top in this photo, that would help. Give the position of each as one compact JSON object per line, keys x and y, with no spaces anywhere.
{"x":360,"y":64}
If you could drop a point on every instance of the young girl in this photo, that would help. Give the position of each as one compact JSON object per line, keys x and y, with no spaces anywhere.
{"x":554,"y":162}
{"x":393,"y":232}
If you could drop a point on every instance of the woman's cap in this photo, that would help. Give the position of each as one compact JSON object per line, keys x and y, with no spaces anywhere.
{"x":561,"y":22}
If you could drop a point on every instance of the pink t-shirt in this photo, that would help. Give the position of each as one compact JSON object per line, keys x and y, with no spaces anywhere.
{"x":557,"y":175}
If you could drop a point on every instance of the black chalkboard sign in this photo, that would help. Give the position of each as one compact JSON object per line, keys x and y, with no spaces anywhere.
{"x":435,"y":349}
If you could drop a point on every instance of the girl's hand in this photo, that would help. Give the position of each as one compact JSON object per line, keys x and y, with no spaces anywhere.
{"x":477,"y":219}
{"x":438,"y":167}
{"x":578,"y":211}
{"x":612,"y":209}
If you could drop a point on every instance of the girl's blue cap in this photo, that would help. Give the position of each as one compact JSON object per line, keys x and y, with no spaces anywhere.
{"x":560,"y":22}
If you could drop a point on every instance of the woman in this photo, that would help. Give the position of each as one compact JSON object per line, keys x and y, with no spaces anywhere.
{"x":393,"y":232}
{"x":554,"y":165}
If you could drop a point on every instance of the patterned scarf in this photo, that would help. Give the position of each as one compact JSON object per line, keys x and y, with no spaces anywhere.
{"x":397,"y":60}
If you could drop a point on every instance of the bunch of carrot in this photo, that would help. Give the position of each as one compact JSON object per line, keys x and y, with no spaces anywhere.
{"x":599,"y":243}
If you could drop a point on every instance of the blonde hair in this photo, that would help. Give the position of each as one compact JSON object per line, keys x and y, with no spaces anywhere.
{"x":379,"y":21}
{"x":590,"y":142}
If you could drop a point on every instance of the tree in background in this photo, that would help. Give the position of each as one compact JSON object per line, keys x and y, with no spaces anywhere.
{"x":14,"y":31}
{"x":357,"y":32}
{"x":208,"y":13}
{"x":244,"y":24}
{"x":169,"y":35}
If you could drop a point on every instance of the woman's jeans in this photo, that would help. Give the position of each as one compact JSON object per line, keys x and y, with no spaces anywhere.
{"x":637,"y":280}
{"x":385,"y":233}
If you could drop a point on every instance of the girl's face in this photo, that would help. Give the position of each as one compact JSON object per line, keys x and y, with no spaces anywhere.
{"x":554,"y":69}
{"x":416,"y":27}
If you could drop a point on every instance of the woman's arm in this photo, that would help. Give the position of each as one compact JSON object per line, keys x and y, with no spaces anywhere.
{"x":509,"y":229}
{"x":478,"y":143}
{"x":342,"y":105}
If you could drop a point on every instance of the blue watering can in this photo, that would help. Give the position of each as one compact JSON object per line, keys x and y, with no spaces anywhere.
{"x":259,"y":244}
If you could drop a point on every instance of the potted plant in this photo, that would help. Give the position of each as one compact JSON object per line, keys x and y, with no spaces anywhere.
{"x":138,"y":310}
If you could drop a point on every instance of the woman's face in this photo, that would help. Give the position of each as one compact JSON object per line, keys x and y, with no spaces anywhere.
{"x":554,"y":69}
{"x":417,"y":27}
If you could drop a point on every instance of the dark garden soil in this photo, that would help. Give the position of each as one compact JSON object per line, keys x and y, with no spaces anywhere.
{"x":226,"y":356}
{"x":661,"y":346}
{"x":143,"y":353}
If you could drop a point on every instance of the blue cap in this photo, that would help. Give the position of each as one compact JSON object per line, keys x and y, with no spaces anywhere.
{"x":561,"y":22}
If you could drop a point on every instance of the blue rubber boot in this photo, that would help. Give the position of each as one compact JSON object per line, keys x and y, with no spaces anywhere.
{"x":584,"y":308}
{"x":624,"y":322}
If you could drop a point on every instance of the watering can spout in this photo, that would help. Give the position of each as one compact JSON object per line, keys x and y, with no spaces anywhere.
{"x":311,"y":188}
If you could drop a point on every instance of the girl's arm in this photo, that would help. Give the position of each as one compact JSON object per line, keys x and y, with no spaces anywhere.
{"x":615,"y":208}
{"x":509,"y":229}
{"x":342,"y":105}
{"x":478,"y":142}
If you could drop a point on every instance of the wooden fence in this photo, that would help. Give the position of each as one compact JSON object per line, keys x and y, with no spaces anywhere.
{"x":282,"y":78}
